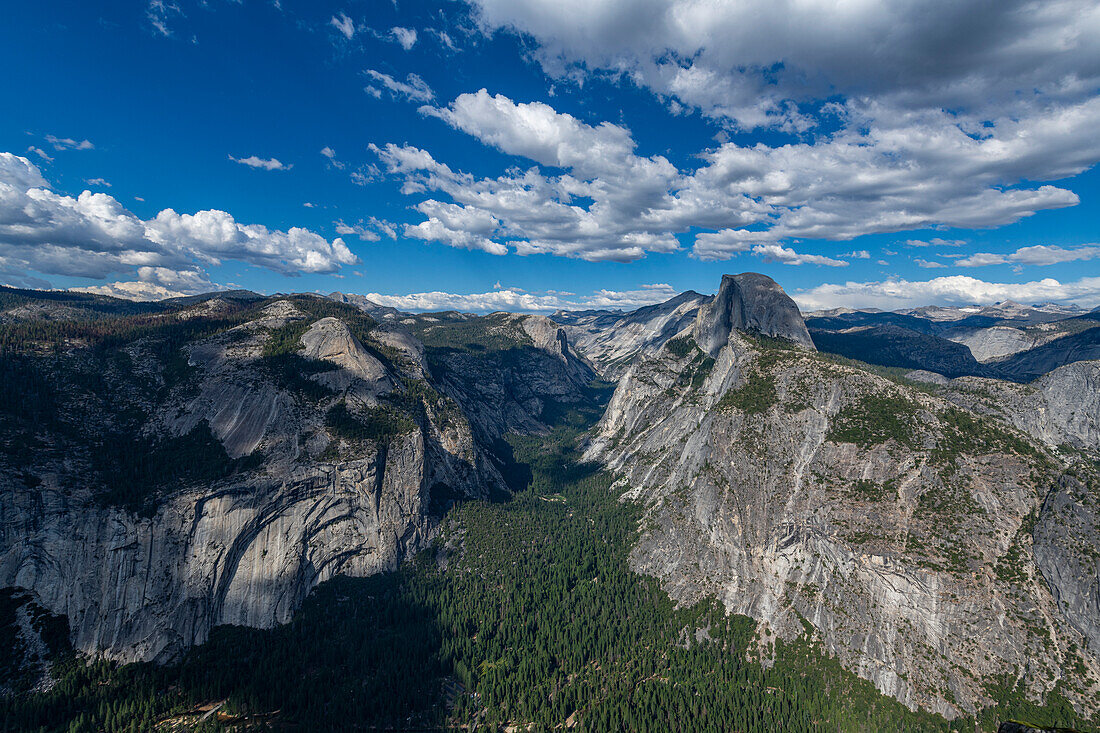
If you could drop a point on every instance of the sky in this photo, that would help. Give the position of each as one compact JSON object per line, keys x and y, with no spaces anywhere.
{"x":541,"y":154}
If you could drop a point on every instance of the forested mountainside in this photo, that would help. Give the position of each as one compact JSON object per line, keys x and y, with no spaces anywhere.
{"x":311,"y":513}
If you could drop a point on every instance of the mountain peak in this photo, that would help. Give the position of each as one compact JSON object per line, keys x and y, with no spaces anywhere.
{"x":749,"y":302}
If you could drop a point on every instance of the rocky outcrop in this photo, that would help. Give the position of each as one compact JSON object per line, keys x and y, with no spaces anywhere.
{"x":248,"y":547}
{"x":245,"y":552}
{"x":381,"y":313}
{"x":893,"y":522}
{"x":987,"y":344}
{"x":329,"y":339}
{"x":749,"y":302}
{"x":1061,"y":408}
{"x":612,"y":340}
{"x":1067,"y":550}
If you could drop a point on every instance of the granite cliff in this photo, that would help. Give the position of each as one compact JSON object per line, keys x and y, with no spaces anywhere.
{"x":933,"y":546}
{"x":338,"y":454}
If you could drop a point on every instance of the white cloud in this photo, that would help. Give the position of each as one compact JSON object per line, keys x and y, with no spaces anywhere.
{"x":413,"y":88}
{"x":1051,"y":255}
{"x":405,"y":37}
{"x":330,"y":155}
{"x":982,"y":259}
{"x":214,"y":235}
{"x":607,"y":204}
{"x":131,"y":290}
{"x":950,"y":290}
{"x":343,"y":24}
{"x":538,"y":132}
{"x":1021,"y":82}
{"x":267,"y":164}
{"x":518,"y":300}
{"x":444,"y":39}
{"x":67,"y":143}
{"x":158,"y":13}
{"x":934,"y":242}
{"x":40,"y":153}
{"x":859,"y":254}
{"x":458,"y":226}
{"x":155,"y":283}
{"x":927,"y":264}
{"x":97,"y":182}
{"x":752,"y":61}
{"x":1036,"y":255}
{"x":721,"y":245}
{"x":787,"y":256}
{"x":909,"y":172}
{"x":368,"y":231}
{"x":94,"y":236}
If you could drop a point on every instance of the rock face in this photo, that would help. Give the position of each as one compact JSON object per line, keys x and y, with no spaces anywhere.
{"x":1061,"y":408}
{"x":247,"y":552}
{"x":995,"y":342}
{"x":330,"y":340}
{"x":1067,"y":538}
{"x":749,"y":302}
{"x":248,"y":547}
{"x":504,"y":370}
{"x":612,"y":340}
{"x":897,"y":524}
{"x":1027,"y":365}
{"x":894,"y":346}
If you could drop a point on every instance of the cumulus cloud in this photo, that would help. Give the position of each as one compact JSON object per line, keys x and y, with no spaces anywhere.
{"x":594,"y":197}
{"x":97,"y":182}
{"x":413,"y":88}
{"x":93,"y":235}
{"x":155,"y":283}
{"x":787,"y":256}
{"x":131,"y":290}
{"x":1036,"y":255}
{"x":267,"y":164}
{"x":405,"y":37}
{"x":521,"y":301}
{"x":951,"y":290}
{"x":753,"y":62}
{"x":927,"y":264}
{"x":934,"y":117}
{"x":602,"y":202}
{"x":330,"y":155}
{"x":343,"y":24}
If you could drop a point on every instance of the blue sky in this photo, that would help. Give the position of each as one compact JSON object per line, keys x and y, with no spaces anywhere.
{"x":534,"y":154}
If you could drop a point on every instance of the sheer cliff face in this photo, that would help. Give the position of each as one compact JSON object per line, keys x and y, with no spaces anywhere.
{"x":612,"y":340}
{"x":246,"y":548}
{"x":504,"y":370}
{"x":749,"y":302}
{"x":896,"y":524}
